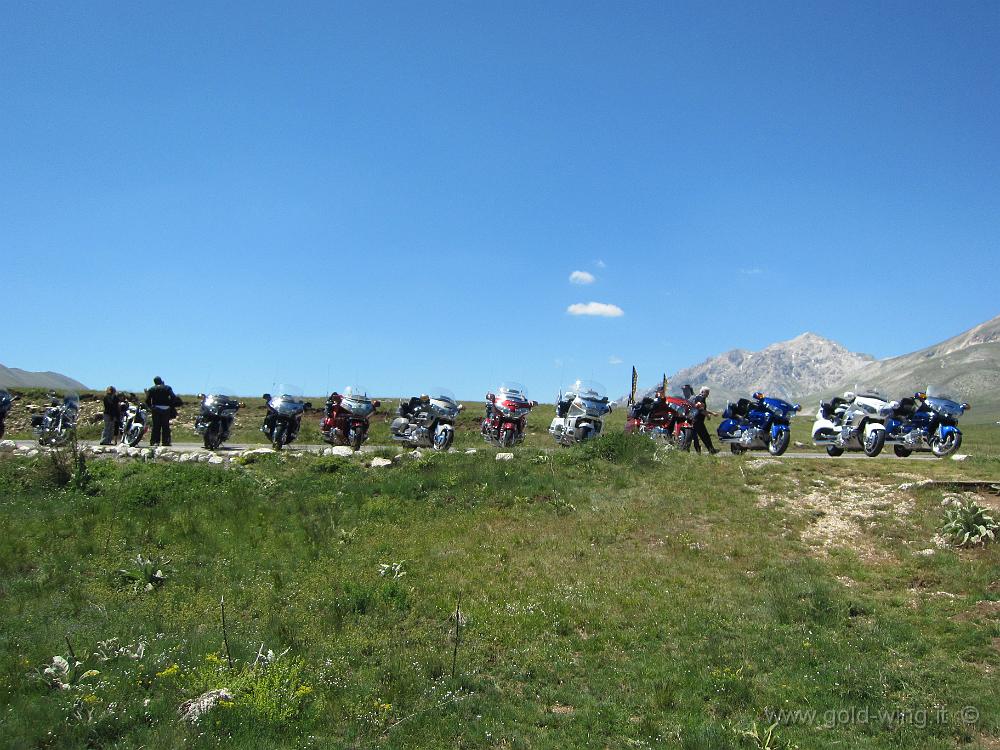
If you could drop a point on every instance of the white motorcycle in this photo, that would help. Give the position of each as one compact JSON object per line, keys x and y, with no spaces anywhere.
{"x":580,"y":413}
{"x":854,"y":423}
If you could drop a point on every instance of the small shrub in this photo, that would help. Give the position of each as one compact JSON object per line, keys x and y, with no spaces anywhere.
{"x":145,"y":572}
{"x":967,"y":523}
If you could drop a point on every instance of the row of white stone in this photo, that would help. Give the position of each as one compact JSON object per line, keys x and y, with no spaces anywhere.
{"x":202,"y":456}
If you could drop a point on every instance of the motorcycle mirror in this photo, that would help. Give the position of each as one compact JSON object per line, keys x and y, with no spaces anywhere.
{"x":797,"y":407}
{"x":966,"y":407}
{"x":266,"y":397}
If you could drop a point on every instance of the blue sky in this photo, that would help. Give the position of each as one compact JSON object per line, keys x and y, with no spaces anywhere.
{"x":397,"y":194}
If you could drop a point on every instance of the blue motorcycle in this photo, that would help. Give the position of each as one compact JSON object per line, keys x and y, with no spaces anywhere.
{"x":749,"y":425}
{"x":926,"y":422}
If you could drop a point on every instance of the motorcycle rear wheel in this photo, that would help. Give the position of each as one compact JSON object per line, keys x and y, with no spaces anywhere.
{"x":685,"y":438}
{"x":356,"y":438}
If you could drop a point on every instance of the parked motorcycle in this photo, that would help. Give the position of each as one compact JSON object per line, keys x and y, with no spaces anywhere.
{"x":216,"y":417}
{"x":580,"y":413}
{"x":926,"y":422}
{"x":663,"y":418}
{"x":427,"y":421}
{"x":346,"y":417}
{"x":284,"y":415}
{"x":135,"y":422}
{"x":6,"y":401}
{"x":855,"y":422}
{"x":757,"y":423}
{"x":57,"y":424}
{"x":506,"y":415}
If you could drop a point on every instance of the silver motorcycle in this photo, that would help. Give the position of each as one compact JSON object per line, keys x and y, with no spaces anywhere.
{"x":427,"y":421}
{"x":135,"y":422}
{"x":57,"y":424}
{"x":284,"y":415}
{"x":580,"y":413}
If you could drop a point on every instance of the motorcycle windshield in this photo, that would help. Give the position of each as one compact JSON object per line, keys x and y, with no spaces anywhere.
{"x":355,"y":400}
{"x":512,"y":391}
{"x":863,"y":390}
{"x":944,"y":402}
{"x":5,"y":398}
{"x":221,"y":392}
{"x":72,"y":401}
{"x":589,"y":390}
{"x":443,"y":400}
{"x":288,"y":400}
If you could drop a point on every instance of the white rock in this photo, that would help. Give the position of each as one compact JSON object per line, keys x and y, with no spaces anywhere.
{"x":7,"y":446}
{"x":378,"y":463}
{"x":470,"y":451}
{"x":31,"y":452}
{"x":216,"y":460}
{"x":505,"y":456}
{"x":910,"y":485}
{"x":339,"y":450}
{"x":186,"y":458}
{"x":415,"y":454}
{"x":925,"y":552}
{"x":960,"y":457}
{"x":203,"y":458}
{"x":258,"y":451}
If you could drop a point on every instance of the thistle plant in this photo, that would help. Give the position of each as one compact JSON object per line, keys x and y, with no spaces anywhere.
{"x":967,"y":523}
{"x":392,"y":570}
{"x":146,"y":572}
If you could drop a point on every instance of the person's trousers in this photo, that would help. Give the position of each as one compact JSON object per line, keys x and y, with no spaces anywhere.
{"x":110,"y":425}
{"x":701,"y":433}
{"x":161,"y":428}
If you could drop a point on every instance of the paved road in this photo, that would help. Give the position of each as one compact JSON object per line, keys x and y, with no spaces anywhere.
{"x":304,"y":448}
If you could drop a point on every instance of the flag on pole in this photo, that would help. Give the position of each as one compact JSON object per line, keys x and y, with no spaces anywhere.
{"x":635,"y":380}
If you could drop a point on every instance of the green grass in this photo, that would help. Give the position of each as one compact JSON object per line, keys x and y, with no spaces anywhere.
{"x":611,"y":598}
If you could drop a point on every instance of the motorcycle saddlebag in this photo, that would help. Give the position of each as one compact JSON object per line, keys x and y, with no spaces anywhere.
{"x":398,"y":425}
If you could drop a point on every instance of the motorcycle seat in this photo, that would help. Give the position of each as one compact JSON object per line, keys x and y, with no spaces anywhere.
{"x":907,"y":408}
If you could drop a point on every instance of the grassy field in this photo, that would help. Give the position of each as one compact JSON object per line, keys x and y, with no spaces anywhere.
{"x":610,"y":597}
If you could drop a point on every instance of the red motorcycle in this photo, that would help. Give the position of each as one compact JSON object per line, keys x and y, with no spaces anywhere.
{"x":346,"y":417}
{"x":665,"y":418}
{"x":506,"y":413}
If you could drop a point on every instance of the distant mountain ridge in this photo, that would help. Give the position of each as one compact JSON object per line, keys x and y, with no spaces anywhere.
{"x":12,"y":377}
{"x":968,"y":365}
{"x":804,"y":364}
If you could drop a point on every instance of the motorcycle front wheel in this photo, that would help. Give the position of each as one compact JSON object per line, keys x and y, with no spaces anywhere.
{"x":779,"y":443}
{"x":685,"y":438}
{"x":133,"y":436}
{"x":278,"y":437}
{"x":356,"y":438}
{"x":874,"y":443}
{"x":944,"y":448}
{"x":507,"y":438}
{"x":213,"y":437}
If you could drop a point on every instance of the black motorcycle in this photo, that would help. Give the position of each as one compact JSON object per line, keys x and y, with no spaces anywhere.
{"x":284,"y":416}
{"x":57,"y":424}
{"x":215,"y":421}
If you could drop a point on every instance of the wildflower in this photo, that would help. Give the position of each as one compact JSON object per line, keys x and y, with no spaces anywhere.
{"x":169,"y":671}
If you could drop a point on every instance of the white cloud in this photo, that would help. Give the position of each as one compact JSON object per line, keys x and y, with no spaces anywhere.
{"x":600,"y":263}
{"x":581,"y":277}
{"x":614,"y":360}
{"x":602,"y":309}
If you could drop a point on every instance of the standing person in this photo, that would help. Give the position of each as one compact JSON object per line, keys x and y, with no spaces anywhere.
{"x":112,"y":415}
{"x":163,"y":403}
{"x":700,"y":412}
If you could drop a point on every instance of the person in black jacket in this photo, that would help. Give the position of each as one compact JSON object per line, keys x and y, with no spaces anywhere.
{"x":112,"y":415}
{"x":162,"y":403}
{"x":700,"y":412}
